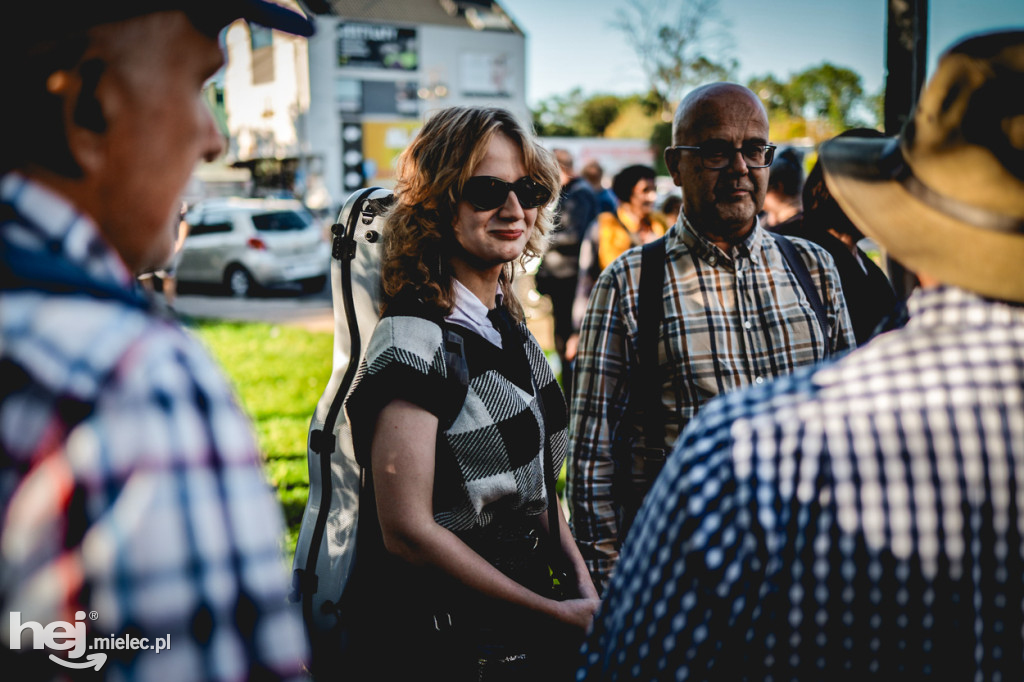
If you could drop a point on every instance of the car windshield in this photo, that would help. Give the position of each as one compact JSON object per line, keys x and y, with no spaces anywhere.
{"x":280,"y":221}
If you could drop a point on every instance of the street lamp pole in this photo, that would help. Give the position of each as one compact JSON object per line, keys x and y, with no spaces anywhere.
{"x":906,"y":54}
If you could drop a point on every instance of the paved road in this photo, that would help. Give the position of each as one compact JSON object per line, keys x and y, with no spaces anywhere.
{"x":315,"y":311}
{"x":312,"y":311}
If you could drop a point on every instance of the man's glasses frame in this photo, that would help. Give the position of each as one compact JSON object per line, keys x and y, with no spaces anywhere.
{"x":716,"y":155}
{"x":486,"y":193}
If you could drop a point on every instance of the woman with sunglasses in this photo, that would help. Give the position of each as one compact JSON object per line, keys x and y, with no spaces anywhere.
{"x":460,"y":582}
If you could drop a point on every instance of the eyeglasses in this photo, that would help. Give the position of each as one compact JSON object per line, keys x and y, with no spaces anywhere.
{"x":717,"y":155}
{"x":485,"y":193}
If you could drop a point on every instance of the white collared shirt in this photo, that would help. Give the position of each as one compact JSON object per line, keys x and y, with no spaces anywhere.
{"x":471,"y":313}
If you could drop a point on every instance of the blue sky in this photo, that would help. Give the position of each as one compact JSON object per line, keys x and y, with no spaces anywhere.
{"x":571,"y":43}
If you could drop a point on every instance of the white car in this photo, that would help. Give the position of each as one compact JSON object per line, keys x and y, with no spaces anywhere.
{"x":247,"y":244}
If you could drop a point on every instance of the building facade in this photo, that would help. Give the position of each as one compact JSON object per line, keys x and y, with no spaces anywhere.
{"x":325,"y":116}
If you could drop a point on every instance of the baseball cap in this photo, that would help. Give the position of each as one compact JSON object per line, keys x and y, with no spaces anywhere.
{"x":29,"y":23}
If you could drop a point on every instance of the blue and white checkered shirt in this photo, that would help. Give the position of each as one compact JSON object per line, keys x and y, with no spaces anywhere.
{"x":861,"y":519}
{"x":131,"y":495}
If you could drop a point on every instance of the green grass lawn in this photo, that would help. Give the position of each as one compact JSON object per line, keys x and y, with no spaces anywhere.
{"x":279,"y":373}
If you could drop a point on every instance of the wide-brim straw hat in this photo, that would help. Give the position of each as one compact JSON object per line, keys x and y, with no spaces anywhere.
{"x":946,"y":197}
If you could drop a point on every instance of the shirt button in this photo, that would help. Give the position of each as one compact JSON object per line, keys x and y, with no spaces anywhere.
{"x":746,"y":324}
{"x":758,"y":380}
{"x":712,"y":259}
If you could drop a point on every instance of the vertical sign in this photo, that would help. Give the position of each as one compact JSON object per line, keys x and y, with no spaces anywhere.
{"x":352,"y":177}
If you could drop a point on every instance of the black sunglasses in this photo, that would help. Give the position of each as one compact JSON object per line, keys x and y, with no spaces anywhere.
{"x":485,"y":193}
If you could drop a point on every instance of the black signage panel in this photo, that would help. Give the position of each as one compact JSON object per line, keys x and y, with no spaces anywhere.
{"x":377,"y":46}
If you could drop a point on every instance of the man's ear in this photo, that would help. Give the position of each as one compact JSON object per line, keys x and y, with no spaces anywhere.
{"x":84,"y":120}
{"x":88,"y":113}
{"x":672,"y":163}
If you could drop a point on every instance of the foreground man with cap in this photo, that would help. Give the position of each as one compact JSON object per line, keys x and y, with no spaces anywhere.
{"x":864,"y":519}
{"x":138,"y":536}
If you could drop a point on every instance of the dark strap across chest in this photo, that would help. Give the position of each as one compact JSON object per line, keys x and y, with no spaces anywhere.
{"x":650,"y":314}
{"x":803,"y":276}
{"x":628,"y":490}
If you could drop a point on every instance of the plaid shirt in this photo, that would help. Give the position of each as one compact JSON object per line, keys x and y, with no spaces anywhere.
{"x":730,"y":320}
{"x":131,"y":495}
{"x":863,"y":519}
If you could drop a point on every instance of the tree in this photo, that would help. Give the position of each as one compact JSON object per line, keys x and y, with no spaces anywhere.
{"x":661,"y":137}
{"x":575,"y":115}
{"x":820,"y":101}
{"x":876,"y":104}
{"x":597,"y":113}
{"x":557,"y":115}
{"x":635,"y":121}
{"x":774,"y":95}
{"x":673,"y":40}
{"x":831,"y":92}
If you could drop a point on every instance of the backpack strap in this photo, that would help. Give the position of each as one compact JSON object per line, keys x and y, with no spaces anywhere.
{"x":628,"y":490}
{"x":560,"y":570}
{"x":456,"y":366}
{"x":796,"y":264}
{"x":322,"y":441}
{"x":650,"y":313}
{"x":556,"y":558}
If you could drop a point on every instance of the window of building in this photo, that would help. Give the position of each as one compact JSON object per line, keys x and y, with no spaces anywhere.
{"x":260,"y":36}
{"x":407,"y":99}
{"x":262,"y":40}
{"x":379,"y":97}
{"x":348,"y":94}
{"x":484,"y":74}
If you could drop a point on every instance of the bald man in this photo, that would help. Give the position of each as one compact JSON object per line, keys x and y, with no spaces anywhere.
{"x":735,"y":310}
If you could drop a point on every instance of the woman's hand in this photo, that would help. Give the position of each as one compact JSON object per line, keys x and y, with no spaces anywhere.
{"x":578,"y":613}
{"x":403,"y":474}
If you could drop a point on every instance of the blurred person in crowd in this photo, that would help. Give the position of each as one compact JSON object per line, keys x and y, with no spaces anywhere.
{"x":733,"y":312}
{"x":557,"y":275}
{"x":633,"y":222}
{"x":458,"y":577}
{"x":168,"y":273}
{"x":869,"y":294}
{"x":670,"y":208}
{"x":861,"y":520}
{"x":594,"y":174}
{"x":131,"y":487}
{"x":782,"y":201}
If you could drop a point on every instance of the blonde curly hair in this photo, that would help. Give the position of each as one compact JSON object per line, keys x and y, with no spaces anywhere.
{"x":418,"y":229}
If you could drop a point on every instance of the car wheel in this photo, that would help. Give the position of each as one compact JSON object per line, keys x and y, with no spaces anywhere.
{"x":313,"y":285}
{"x":239,"y":282}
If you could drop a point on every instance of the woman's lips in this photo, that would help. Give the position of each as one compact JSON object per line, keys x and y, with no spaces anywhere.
{"x":508,"y":235}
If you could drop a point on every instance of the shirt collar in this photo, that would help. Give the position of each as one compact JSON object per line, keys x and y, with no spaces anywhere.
{"x":48,"y":222}
{"x":949,"y":306}
{"x":470,"y":312}
{"x":467,"y":300}
{"x":751,"y":247}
